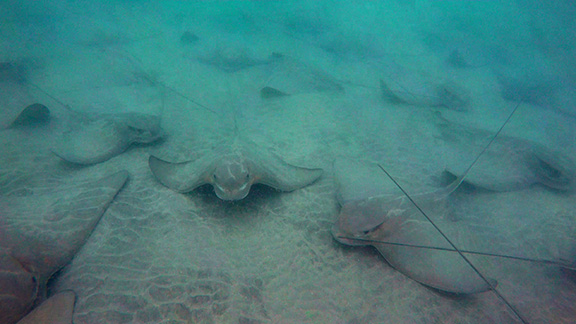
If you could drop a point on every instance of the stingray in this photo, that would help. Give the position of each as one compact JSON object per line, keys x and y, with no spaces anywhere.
{"x":397,"y":226}
{"x":231,"y":60}
{"x":98,"y":140}
{"x":509,"y":164}
{"x":289,"y":76}
{"x":232,"y":168}
{"x":401,"y":85}
{"x":392,"y":217}
{"x":39,"y":234}
{"x":188,"y":38}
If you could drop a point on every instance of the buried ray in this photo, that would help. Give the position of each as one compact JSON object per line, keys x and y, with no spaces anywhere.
{"x":40,"y":233}
{"x":101,"y":139}
{"x":232,"y":168}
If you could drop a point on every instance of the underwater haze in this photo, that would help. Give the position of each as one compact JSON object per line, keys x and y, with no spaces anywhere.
{"x":288,"y":161}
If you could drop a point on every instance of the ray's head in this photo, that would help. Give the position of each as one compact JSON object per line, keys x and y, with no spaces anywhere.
{"x":232,"y":180}
{"x":361,"y":219}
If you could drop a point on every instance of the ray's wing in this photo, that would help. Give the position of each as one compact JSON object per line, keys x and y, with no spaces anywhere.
{"x":97,"y":142}
{"x":290,"y":76}
{"x":18,"y":288}
{"x":41,"y":233}
{"x":58,"y":309}
{"x":439,"y":269}
{"x":45,"y":232}
{"x":501,"y":168}
{"x":33,"y":115}
{"x":185,"y":176}
{"x":272,"y":171}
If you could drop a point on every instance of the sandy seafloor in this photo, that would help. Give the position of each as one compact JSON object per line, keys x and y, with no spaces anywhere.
{"x":158,"y":256}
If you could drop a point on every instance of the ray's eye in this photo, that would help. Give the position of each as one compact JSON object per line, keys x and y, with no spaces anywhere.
{"x":247,"y":175}
{"x":214,"y":177}
{"x":370,"y":230}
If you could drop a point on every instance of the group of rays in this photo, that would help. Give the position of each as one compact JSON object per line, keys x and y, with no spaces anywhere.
{"x":392,"y":223}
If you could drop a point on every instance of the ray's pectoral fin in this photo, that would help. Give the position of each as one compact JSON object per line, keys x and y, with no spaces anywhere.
{"x":36,"y":242}
{"x":284,"y":176}
{"x":33,"y":115}
{"x":269,"y":92}
{"x":95,"y":142}
{"x":58,"y":309}
{"x":53,"y":244}
{"x":444,"y":270}
{"x":182,"y":177}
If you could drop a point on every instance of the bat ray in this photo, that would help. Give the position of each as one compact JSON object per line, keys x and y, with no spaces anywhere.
{"x":394,"y":218}
{"x":412,"y":89}
{"x":57,"y":309}
{"x":289,"y":76}
{"x":40,"y":233}
{"x":401,"y":85}
{"x":232,"y":168}
{"x":509,"y":164}
{"x":98,"y":140}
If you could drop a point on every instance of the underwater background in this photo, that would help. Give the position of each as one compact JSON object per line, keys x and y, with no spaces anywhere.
{"x":422,"y":89}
